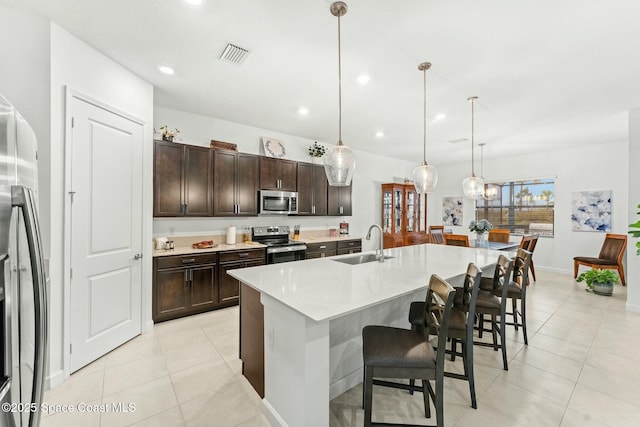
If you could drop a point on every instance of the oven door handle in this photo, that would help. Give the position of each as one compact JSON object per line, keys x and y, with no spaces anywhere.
{"x":294,"y":248}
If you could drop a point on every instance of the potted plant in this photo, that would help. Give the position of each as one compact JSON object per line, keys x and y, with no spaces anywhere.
{"x":168,"y":135}
{"x":599,"y":281}
{"x":636,"y":233}
{"x":480,"y":227}
{"x":316,"y":151}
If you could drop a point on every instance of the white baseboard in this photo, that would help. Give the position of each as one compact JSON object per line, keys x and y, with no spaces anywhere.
{"x":54,"y":380}
{"x":272,"y":415}
{"x":634,"y":308}
{"x":345,"y":383}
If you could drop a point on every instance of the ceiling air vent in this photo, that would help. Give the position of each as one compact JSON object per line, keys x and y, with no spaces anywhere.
{"x":459,"y":140}
{"x":233,"y":54}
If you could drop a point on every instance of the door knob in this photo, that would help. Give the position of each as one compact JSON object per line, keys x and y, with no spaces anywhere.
{"x":137,"y":256}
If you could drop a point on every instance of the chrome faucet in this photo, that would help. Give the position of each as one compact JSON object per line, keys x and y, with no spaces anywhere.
{"x":381,"y":256}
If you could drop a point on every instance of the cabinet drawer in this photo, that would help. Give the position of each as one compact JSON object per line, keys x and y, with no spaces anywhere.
{"x":350,"y":244}
{"x":319,"y":247}
{"x":229,"y":256}
{"x":346,"y":251}
{"x":320,"y":254}
{"x":185,"y":260}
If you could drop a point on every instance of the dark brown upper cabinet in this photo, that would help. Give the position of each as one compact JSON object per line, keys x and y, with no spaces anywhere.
{"x":182,"y":180}
{"x":312,"y":189}
{"x":277,"y":174}
{"x":339,"y":201}
{"x":235,"y":184}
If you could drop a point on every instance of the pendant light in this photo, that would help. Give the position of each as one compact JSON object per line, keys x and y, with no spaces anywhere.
{"x":490,"y":191}
{"x":472,"y":186}
{"x":425,"y":176}
{"x":339,"y":160}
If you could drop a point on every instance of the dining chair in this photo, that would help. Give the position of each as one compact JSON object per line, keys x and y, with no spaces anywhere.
{"x":499,"y":235}
{"x":528,"y":243}
{"x":610,"y":256}
{"x":495,"y":306}
{"x":402,"y":353}
{"x":517,"y":291}
{"x":461,"y":326}
{"x":457,"y":240}
{"x":436,"y":234}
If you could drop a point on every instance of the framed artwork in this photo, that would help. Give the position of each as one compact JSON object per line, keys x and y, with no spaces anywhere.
{"x":452,"y":210}
{"x":274,"y":148}
{"x":591,"y":211}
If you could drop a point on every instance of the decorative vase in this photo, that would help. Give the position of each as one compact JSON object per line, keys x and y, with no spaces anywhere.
{"x":167,"y":138}
{"x":481,"y":239}
{"x":605,"y":289}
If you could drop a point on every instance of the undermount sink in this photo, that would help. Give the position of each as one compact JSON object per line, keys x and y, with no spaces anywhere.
{"x":360,"y":259}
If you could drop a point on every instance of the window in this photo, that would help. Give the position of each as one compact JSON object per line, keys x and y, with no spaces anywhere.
{"x":521,"y":206}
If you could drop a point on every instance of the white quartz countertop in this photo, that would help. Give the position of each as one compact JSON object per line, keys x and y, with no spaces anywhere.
{"x":323,"y":289}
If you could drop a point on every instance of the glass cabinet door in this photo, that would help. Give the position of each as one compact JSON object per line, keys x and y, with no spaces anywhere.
{"x":411,"y":216}
{"x":397,"y":193}
{"x":387,"y":205}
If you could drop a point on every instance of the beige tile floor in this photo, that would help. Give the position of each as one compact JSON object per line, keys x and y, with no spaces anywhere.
{"x":580,"y":369}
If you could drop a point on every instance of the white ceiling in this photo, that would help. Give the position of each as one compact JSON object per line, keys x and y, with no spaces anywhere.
{"x":548,"y":73}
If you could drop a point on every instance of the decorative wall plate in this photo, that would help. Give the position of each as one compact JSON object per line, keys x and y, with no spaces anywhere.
{"x":274,"y":148}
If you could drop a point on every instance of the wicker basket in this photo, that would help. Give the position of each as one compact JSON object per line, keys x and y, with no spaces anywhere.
{"x":221,"y":145}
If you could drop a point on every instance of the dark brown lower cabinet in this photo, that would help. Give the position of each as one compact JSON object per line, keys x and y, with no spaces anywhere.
{"x":190,"y":284}
{"x":340,"y":247}
{"x":229,"y":286}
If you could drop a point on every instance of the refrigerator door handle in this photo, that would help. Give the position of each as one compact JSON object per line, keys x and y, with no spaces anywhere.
{"x":22,"y":197}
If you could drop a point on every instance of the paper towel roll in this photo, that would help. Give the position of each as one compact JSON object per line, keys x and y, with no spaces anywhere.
{"x":231,"y":236}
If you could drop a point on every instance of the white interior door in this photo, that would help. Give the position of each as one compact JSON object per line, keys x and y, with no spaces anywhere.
{"x":106,"y":231}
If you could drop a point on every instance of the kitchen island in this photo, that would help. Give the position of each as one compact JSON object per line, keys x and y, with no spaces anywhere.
{"x":313,"y":313}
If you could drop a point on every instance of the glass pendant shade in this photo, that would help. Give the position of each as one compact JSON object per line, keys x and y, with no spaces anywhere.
{"x":339,"y":164}
{"x":491,"y":192}
{"x":339,"y":160}
{"x":473,"y":186}
{"x":425,"y":178}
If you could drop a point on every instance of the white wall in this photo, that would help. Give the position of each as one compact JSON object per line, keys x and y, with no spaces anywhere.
{"x":371,"y":171}
{"x":76,"y":65}
{"x":597,"y":167}
{"x":633,"y":260}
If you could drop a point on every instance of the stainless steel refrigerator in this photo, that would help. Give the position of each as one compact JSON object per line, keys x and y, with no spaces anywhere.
{"x":23,"y":295}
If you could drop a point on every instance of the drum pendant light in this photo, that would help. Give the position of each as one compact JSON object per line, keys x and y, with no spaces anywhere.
{"x":339,"y":160}
{"x":425,"y":176}
{"x":472,"y":186}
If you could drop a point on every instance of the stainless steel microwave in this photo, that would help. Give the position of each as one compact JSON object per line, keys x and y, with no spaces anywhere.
{"x":278,"y":202}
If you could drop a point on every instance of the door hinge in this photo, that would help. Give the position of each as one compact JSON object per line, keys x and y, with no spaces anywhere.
{"x":71,"y":273}
{"x":73,"y":122}
{"x":70,"y":348}
{"x":72,"y":194}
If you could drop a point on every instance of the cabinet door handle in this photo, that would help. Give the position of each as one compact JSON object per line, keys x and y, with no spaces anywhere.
{"x":186,"y":276}
{"x":341,"y":210}
{"x":313,"y":209}
{"x":243,"y":255}
{"x":322,"y":255}
{"x":188,"y":260}
{"x":186,"y":208}
{"x":323,"y":247}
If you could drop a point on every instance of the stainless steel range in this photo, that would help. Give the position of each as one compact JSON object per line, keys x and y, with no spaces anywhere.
{"x":279,"y":247}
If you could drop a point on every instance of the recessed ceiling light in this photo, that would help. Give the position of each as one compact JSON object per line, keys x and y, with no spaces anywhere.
{"x":194,"y":2}
{"x":303,"y":111}
{"x":363,"y":79}
{"x":166,"y":69}
{"x":440,"y":116}
{"x":379,"y":134}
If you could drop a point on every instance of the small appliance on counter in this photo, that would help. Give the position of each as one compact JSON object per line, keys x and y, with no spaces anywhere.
{"x":344,"y":229}
{"x":279,"y":247}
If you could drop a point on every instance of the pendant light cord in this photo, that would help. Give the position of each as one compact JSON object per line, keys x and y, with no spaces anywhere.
{"x":339,"y":86}
{"x":472,"y":99}
{"x":424,"y":150}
